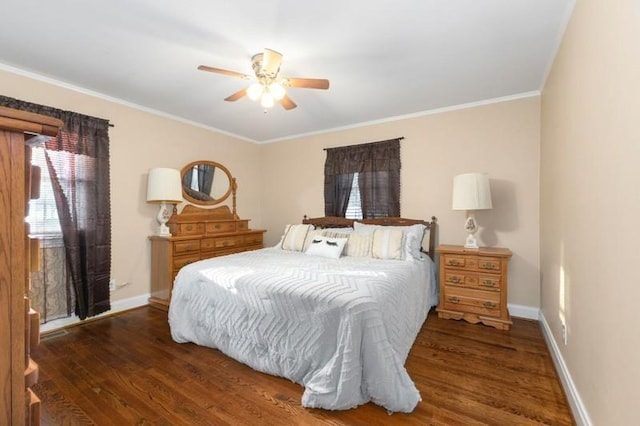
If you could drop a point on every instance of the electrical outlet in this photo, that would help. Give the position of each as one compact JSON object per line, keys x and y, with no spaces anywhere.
{"x":564,"y":333}
{"x":112,"y":284}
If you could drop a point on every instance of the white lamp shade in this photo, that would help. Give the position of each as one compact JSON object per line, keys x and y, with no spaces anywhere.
{"x":164,"y":185}
{"x":471,"y":191}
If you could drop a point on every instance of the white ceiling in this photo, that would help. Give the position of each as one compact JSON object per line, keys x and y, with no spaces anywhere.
{"x":384,"y":58}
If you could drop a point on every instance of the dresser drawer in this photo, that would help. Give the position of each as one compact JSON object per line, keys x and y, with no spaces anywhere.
{"x":253,"y":239}
{"x":221,"y":227}
{"x":243,"y":225}
{"x":470,"y":300}
{"x":224,"y":242}
{"x":187,"y":246}
{"x":179,"y":262}
{"x":189,"y":228}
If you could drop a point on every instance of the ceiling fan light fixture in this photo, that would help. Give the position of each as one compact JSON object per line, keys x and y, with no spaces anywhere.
{"x":268,"y":87}
{"x":267,"y":100}
{"x":277,"y":91}
{"x":255,"y":91}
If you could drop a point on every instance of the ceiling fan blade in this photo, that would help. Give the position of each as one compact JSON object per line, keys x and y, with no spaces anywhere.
{"x":236,"y":96}
{"x":271,"y":61}
{"x":309,"y":83}
{"x":287,"y":103}
{"x":225,"y":72}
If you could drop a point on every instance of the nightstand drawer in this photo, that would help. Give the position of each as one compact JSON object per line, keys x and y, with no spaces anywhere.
{"x":455,"y":277}
{"x":180,"y":247}
{"x":474,"y":301}
{"x":471,"y":280}
{"x":489,"y":282}
{"x":489,"y":263}
{"x":457,"y":261}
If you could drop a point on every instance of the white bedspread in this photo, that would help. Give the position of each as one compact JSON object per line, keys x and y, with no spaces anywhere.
{"x":341,"y":328}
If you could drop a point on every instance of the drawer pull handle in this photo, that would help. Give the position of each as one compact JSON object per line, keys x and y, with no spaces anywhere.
{"x":454,"y":280}
{"x":489,"y":305}
{"x":488,"y":283}
{"x":454,"y":262}
{"x":217,"y":226}
{"x":489,"y":265}
{"x":454,"y":300}
{"x":189,"y":227}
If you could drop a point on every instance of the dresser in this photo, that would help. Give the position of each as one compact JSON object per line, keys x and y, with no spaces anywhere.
{"x":19,"y":324}
{"x":473,"y":285}
{"x":197,"y":234}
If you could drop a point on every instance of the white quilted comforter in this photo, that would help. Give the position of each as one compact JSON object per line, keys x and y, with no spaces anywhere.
{"x":341,"y":328}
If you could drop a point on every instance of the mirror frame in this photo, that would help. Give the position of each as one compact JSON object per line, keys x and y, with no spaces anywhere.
{"x":209,"y":202}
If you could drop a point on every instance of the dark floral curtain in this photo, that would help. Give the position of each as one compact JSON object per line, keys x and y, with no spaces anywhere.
{"x":378,"y":168}
{"x":78,"y":163}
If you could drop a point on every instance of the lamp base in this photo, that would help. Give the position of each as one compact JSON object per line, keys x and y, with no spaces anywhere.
{"x":471,"y":242}
{"x":163,"y":231}
{"x":163,"y":217}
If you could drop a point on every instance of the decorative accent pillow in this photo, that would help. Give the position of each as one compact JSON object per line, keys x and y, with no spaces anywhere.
{"x":345,"y":230}
{"x":414,"y":235}
{"x":388,"y":243}
{"x":294,"y":236}
{"x":359,"y":245}
{"x":310,"y":236}
{"x":326,"y":247}
{"x":335,"y":234}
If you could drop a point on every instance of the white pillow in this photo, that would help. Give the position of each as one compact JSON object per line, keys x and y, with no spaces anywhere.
{"x":326,"y":247}
{"x":335,"y":234}
{"x":413,"y":236}
{"x":310,"y":236}
{"x":294,"y":236}
{"x":345,"y":230}
{"x":359,"y":245}
{"x":388,"y":243}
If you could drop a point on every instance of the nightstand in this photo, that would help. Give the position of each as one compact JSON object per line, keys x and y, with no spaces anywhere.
{"x":473,"y":285}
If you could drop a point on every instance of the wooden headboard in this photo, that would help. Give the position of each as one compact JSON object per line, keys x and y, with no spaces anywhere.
{"x":341,"y":222}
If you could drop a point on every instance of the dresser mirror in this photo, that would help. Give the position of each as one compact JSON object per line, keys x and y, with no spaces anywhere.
{"x":206,"y":183}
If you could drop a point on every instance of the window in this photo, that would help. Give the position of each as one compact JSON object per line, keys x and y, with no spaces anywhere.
{"x":354,"y":206}
{"x":43,"y":214}
{"x":363,"y":181}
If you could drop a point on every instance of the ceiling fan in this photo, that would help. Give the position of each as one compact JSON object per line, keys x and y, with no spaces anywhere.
{"x":268,"y":87}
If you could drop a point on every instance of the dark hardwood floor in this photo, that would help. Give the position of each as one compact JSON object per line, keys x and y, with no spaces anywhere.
{"x":126,"y":370}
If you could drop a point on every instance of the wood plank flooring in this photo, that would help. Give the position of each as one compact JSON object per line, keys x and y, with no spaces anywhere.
{"x":126,"y":370}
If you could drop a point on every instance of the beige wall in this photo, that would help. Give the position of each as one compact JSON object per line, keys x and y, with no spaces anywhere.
{"x":141,"y":141}
{"x":501,"y":139}
{"x":590,"y":157}
{"x":280,"y":182}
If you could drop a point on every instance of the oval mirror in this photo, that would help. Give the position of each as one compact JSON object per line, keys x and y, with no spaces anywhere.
{"x":206,"y":182}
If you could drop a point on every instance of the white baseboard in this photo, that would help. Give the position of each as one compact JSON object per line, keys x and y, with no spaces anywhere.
{"x":575,"y":402}
{"x":117,"y":306}
{"x":522,"y":311}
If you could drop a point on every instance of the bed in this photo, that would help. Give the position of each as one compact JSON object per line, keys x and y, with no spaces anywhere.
{"x":342,"y":327}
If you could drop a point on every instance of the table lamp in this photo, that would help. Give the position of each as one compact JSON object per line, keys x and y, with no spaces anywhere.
{"x":471,"y":191}
{"x":164,"y":187}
